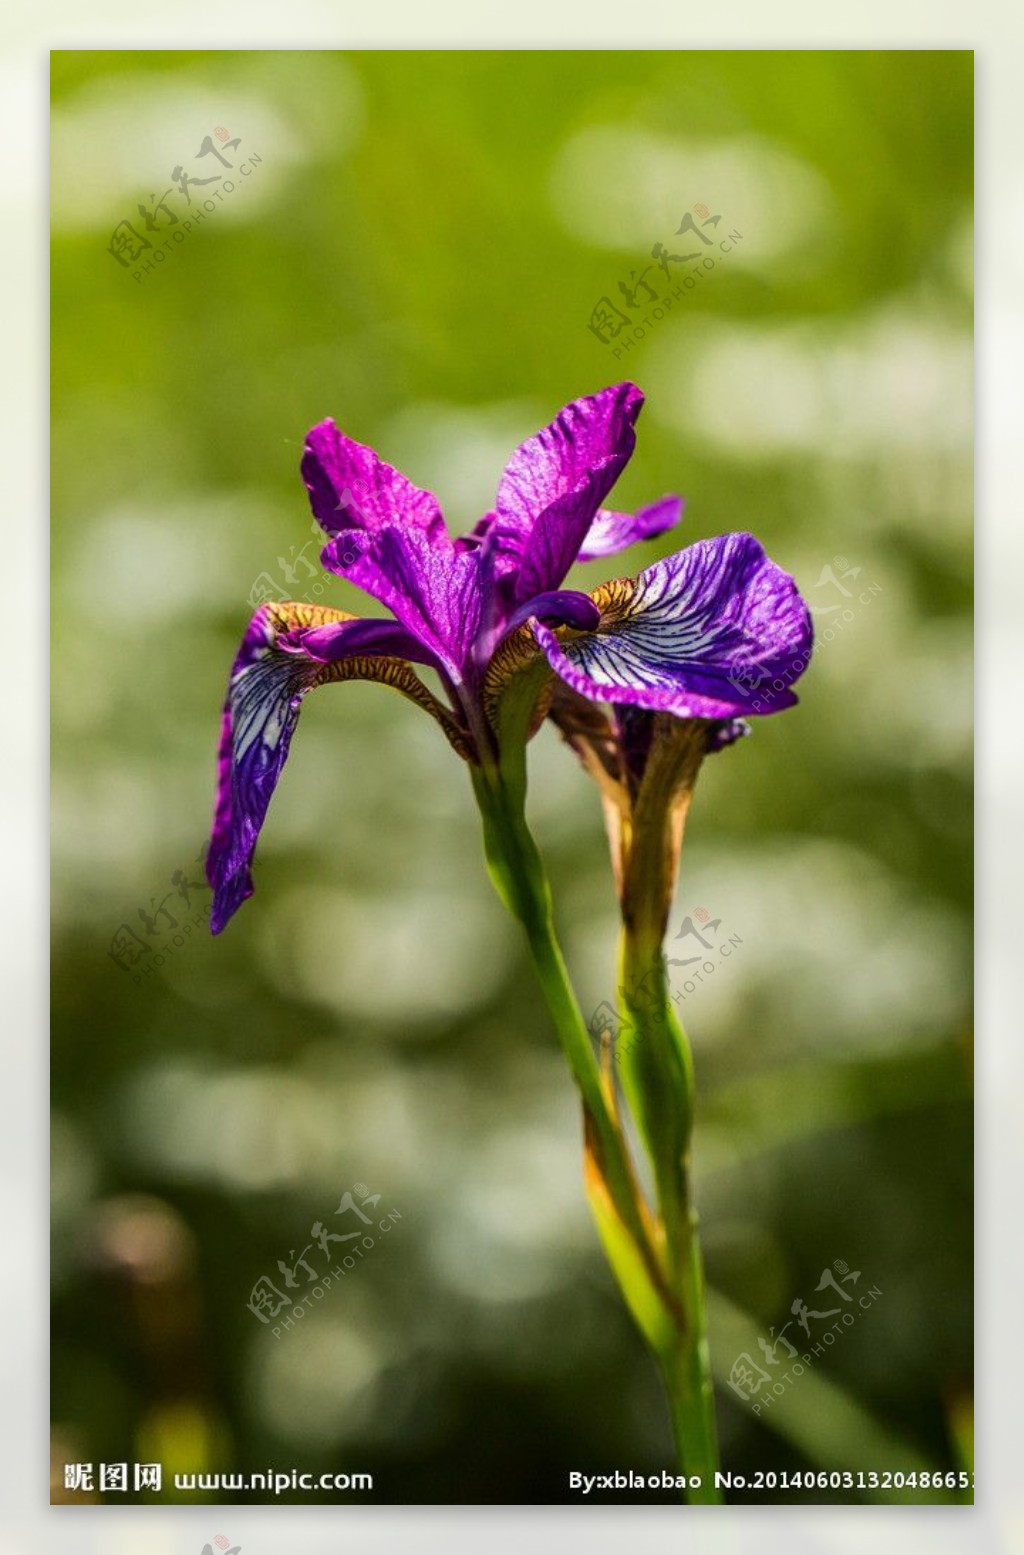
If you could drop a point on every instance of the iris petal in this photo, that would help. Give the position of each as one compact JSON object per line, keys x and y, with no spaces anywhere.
{"x":569,"y":607}
{"x":554,"y":484}
{"x":265,"y":692}
{"x":434,"y":593}
{"x":351,"y":488}
{"x":346,"y":638}
{"x":715,"y":631}
{"x":613,"y":532}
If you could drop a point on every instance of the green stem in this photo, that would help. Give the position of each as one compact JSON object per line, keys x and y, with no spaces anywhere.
{"x":657,"y":1262}
{"x":656,"y":1071}
{"x":686,"y":1370}
{"x":657,"y":1074}
{"x":518,"y":874}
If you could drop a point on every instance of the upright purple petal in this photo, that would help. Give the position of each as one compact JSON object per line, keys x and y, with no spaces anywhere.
{"x":554,"y":484}
{"x":350,"y":488}
{"x":715,"y":631}
{"x":613,"y":532}
{"x":434,"y":591}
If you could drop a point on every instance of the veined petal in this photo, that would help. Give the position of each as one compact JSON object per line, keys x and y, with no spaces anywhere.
{"x":351,"y":488}
{"x":715,"y":631}
{"x":554,"y":484}
{"x":614,"y":532}
{"x":265,"y":692}
{"x":433,"y":591}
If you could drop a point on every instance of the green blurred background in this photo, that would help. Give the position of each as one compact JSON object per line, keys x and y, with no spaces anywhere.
{"x":418,"y":253}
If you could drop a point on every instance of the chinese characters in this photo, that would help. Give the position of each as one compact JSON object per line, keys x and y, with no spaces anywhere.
{"x":832,"y":613}
{"x":611,"y":319}
{"x":268,"y":1301}
{"x":157,"y":929}
{"x":112,"y":1477}
{"x":696,"y":929}
{"x":147,"y":248}
{"x":299,"y":566}
{"x":759,"y":1382}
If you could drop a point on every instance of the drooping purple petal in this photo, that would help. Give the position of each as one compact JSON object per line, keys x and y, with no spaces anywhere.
{"x":715,"y":631}
{"x":265,"y":692}
{"x":613,"y":532}
{"x":554,"y":484}
{"x":351,"y":488}
{"x":434,"y":591}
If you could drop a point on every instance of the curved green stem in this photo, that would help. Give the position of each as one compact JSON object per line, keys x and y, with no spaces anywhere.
{"x":656,"y":1260}
{"x":616,"y":1199}
{"x":655,"y":1068}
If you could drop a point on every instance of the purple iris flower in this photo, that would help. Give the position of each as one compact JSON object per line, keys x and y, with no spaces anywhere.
{"x":697,"y":635}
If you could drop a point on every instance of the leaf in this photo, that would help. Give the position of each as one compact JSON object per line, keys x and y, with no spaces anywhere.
{"x":646,"y":1303}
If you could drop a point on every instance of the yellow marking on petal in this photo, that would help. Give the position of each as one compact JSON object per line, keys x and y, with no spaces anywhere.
{"x":293,"y":615}
{"x":519,"y":656}
{"x":518,"y":661}
{"x":615,"y":600}
{"x":400,"y":676}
